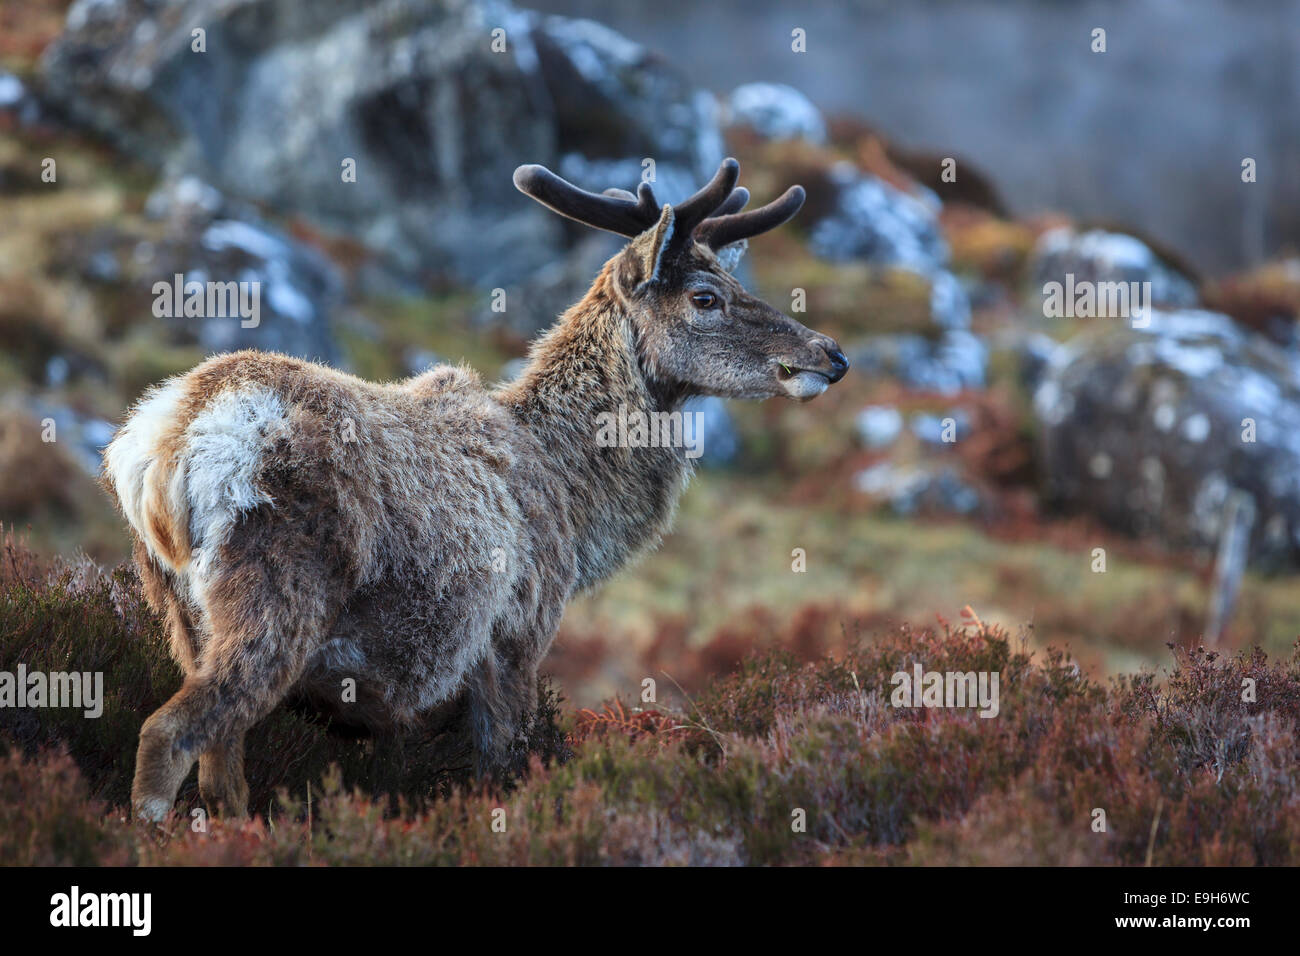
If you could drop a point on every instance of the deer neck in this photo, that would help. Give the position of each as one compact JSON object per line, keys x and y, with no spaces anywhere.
{"x":587,"y":368}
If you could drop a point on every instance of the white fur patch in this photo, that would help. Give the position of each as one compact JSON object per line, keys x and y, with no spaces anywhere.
{"x":803,"y":386}
{"x":129,"y":456}
{"x":222,"y":458}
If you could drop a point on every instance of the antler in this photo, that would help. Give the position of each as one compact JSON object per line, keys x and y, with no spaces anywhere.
{"x":723,"y":229}
{"x":713,"y":215}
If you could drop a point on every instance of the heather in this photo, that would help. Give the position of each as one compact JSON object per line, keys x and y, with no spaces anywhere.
{"x":789,"y":757}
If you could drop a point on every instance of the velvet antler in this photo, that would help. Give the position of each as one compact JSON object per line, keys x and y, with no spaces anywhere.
{"x":712,"y":216}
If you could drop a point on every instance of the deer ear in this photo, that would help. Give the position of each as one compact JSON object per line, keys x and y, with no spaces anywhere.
{"x":729,"y":256}
{"x":645,"y":254}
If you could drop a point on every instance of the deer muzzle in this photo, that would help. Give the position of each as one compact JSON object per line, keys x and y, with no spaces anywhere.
{"x":803,"y":379}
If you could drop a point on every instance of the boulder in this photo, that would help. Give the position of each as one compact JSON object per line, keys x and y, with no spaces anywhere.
{"x":16,"y":100}
{"x":954,"y":361}
{"x":872,"y":221}
{"x":1098,"y":256}
{"x":935,"y":429}
{"x":433,"y":102}
{"x":205,"y":239}
{"x":533,"y":304}
{"x":775,"y":112}
{"x":1152,"y":429}
{"x":879,"y":425}
{"x":82,"y":437}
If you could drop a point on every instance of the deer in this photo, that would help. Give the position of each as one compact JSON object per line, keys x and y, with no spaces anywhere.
{"x":296,"y":527}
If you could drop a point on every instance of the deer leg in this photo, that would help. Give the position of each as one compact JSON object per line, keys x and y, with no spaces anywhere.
{"x":502,"y":693}
{"x":490,"y":726}
{"x":520,"y":687}
{"x":221,"y":778}
{"x":209,"y":715}
{"x":221,"y":769}
{"x":265,"y":622}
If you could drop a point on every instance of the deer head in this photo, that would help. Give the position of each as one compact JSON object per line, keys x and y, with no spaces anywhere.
{"x":697,"y":330}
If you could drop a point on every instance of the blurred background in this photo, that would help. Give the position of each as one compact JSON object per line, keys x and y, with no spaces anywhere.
{"x":1078,"y":480}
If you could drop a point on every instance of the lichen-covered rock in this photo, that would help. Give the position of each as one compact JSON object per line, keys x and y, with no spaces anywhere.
{"x":872,"y":221}
{"x":1150,"y":429}
{"x":534,"y":303}
{"x":293,"y":291}
{"x":875,"y":222}
{"x":17,"y":101}
{"x":954,"y":361}
{"x":776,"y":112}
{"x":613,"y":99}
{"x":879,"y":425}
{"x":1098,"y":256}
{"x":430,"y":103}
{"x":81,"y":436}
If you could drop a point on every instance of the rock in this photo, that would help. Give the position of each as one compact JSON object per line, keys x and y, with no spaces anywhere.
{"x":82,"y":437}
{"x":1151,"y":429}
{"x":12,"y":91}
{"x":1033,"y":352}
{"x":186,"y":200}
{"x":1098,"y":256}
{"x":879,"y":425}
{"x":672,"y":182}
{"x":956,"y":360}
{"x":17,"y":101}
{"x":919,"y":489}
{"x":719,"y":440}
{"x":286,"y":96}
{"x":932,"y":429}
{"x":949,"y":301}
{"x":21,"y":112}
{"x":877,"y":223}
{"x":534,"y":304}
{"x":512,"y":369}
{"x":300,"y":287}
{"x":295,"y":288}
{"x":776,"y":112}
{"x":613,"y":99}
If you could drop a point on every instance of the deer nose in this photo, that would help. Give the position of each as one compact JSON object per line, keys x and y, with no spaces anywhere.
{"x":839,"y":363}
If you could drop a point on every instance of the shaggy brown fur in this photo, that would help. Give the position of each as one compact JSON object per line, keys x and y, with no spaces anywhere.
{"x":306,"y":531}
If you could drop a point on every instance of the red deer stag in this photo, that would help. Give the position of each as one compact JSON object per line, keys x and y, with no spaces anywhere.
{"x":298,"y":526}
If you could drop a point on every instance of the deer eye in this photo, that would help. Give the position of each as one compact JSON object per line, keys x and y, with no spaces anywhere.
{"x":704,"y":300}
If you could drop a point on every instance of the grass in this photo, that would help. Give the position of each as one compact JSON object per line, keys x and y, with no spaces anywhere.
{"x":729,"y":558}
